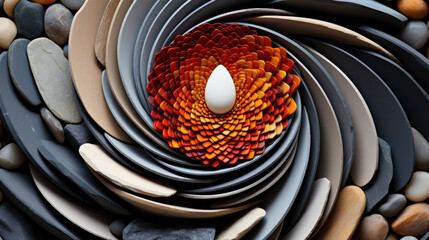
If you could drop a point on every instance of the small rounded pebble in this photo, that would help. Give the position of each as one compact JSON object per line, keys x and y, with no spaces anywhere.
{"x":413,"y":221}
{"x":417,"y":190}
{"x":53,"y":124}
{"x":44,"y":2}
{"x":393,"y":205}
{"x":7,"y":32}
{"x":66,"y":51}
{"x":9,"y":7}
{"x":73,"y":4}
{"x":415,"y":9}
{"x":29,"y":19}
{"x":421,"y":147}
{"x":374,"y":227}
{"x":58,"y":20}
{"x":392,"y":236}
{"x":415,"y":33}
{"x":11,"y":157}
{"x":117,"y":226}
{"x":409,"y":238}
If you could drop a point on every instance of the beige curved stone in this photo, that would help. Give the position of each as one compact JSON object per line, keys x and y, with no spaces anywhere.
{"x":9,"y":7}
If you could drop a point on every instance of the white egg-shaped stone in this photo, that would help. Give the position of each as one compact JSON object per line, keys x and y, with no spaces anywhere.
{"x":220,"y":91}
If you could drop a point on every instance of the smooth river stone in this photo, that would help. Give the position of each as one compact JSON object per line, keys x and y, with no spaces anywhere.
{"x":373,"y":227}
{"x":53,"y":124}
{"x":345,"y":215}
{"x":7,"y":32}
{"x":421,"y":147}
{"x":51,"y":71}
{"x":393,"y":205}
{"x":20,"y":72}
{"x":241,"y":226}
{"x":29,"y":18}
{"x":413,"y":221}
{"x":408,"y":238}
{"x":73,"y":4}
{"x":11,"y":157}
{"x":117,"y":226}
{"x":9,"y":7}
{"x":417,"y":190}
{"x":77,"y":135}
{"x":379,"y":187}
{"x":58,"y":20}
{"x":415,"y":34}
{"x":149,"y":229}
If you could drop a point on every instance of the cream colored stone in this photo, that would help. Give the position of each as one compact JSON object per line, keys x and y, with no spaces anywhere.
{"x":9,"y":7}
{"x":239,"y":228}
{"x":417,"y":190}
{"x":7,"y":32}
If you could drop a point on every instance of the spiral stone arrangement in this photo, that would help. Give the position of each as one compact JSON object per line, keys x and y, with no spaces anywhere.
{"x":243,"y":119}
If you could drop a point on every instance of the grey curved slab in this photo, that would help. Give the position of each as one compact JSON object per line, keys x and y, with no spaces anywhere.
{"x":249,"y":180}
{"x":149,"y":30}
{"x":98,"y":133}
{"x":277,"y":202}
{"x":329,"y":87}
{"x":402,"y":85}
{"x":20,"y":72}
{"x":304,"y":193}
{"x":71,"y":165}
{"x":27,"y":128}
{"x":413,"y":61}
{"x":139,"y":157}
{"x":371,"y":12}
{"x":389,"y":117}
{"x":20,"y":189}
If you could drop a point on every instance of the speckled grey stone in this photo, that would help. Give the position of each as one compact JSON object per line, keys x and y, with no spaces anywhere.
{"x":415,"y":34}
{"x":58,"y":20}
{"x":73,"y":4}
{"x":53,"y":124}
{"x":393,"y":205}
{"x":29,"y":18}
{"x":117,"y":226}
{"x":11,"y":157}
{"x":421,"y":147}
{"x":150,"y":230}
{"x":52,"y":75}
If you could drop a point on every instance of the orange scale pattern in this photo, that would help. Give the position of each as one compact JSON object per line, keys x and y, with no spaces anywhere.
{"x":263,"y":81}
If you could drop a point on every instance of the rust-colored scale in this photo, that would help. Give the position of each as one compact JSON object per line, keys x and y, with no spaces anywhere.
{"x":264,"y":86}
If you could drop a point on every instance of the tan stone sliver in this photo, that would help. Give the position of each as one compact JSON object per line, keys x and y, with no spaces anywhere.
{"x":103,"y":31}
{"x":345,"y":215}
{"x":101,"y":162}
{"x":239,"y":228}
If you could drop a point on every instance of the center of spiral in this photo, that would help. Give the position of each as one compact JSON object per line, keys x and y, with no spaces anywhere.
{"x":220,"y":92}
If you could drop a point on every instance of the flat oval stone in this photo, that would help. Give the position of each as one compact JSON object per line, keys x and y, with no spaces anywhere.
{"x":53,"y":124}
{"x":345,"y":216}
{"x":9,"y":7}
{"x":73,"y":4}
{"x":413,"y":221}
{"x":11,"y":157}
{"x":240,"y":227}
{"x":415,"y":34}
{"x":58,"y":20}
{"x":421,"y":147}
{"x":7,"y":32}
{"x":51,"y":71}
{"x":417,"y":190}
{"x":393,"y":205}
{"x":103,"y":30}
{"x":21,"y":74}
{"x":29,"y":18}
{"x":408,"y":238}
{"x":373,"y":227}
